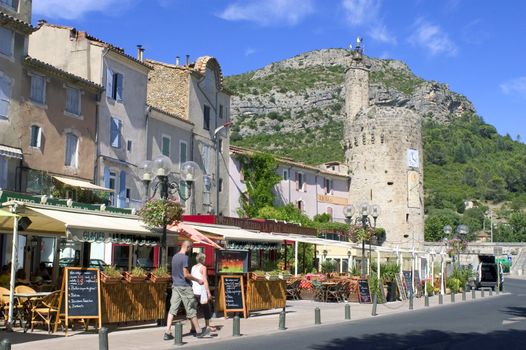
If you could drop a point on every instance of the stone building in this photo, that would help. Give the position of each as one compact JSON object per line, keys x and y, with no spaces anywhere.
{"x":121,"y":130}
{"x":322,"y":189}
{"x":383,"y":148}
{"x":59,"y":126}
{"x":15,"y":19}
{"x":194,"y":92}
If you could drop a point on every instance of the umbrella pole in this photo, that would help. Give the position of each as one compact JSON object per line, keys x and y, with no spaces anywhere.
{"x":14,"y":259}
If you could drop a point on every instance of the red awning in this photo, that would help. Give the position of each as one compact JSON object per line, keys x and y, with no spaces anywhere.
{"x":193,"y":234}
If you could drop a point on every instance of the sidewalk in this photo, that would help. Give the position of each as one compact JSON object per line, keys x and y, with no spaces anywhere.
{"x":300,"y":314}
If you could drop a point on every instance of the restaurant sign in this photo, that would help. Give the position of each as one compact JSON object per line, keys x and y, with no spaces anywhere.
{"x":8,"y":196}
{"x":93,"y":236}
{"x":325,"y":198}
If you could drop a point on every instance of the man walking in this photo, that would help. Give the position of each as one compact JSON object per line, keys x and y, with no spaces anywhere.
{"x":182,"y":292}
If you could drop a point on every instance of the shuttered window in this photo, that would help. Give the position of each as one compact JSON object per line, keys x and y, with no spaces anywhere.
{"x":6,"y":41}
{"x":36,"y":136}
{"x":73,"y":100}
{"x":5,"y":95}
{"x":71,"y":150}
{"x":166,"y":144}
{"x":182,"y":153}
{"x":114,"y":85}
{"x":206,"y":118}
{"x":115,"y":133}
{"x":38,"y":88}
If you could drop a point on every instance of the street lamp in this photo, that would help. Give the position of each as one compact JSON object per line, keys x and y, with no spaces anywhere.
{"x":159,"y":174}
{"x":364,"y":211}
{"x":461,"y":232}
{"x":218,"y":152}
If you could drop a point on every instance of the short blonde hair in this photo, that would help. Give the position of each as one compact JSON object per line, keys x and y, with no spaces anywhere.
{"x":200,"y":258}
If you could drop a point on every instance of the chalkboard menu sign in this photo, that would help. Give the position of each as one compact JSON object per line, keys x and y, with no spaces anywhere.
{"x":408,"y":280}
{"x":233,"y":294}
{"x":400,"y":285}
{"x":364,"y":294}
{"x":418,"y":284}
{"x":80,"y":296}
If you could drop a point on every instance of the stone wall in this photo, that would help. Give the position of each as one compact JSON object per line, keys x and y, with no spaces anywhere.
{"x":168,"y":88}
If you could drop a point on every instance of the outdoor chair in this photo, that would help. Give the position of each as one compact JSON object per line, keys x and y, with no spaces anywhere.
{"x":4,"y":307}
{"x":334,"y":292}
{"x":44,"y":310}
{"x":345,"y":290}
{"x":24,"y":290}
{"x":319,"y":291}
{"x":293,"y":290}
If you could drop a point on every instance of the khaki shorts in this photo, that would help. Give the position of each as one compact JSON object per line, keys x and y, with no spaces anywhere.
{"x":183,"y":295}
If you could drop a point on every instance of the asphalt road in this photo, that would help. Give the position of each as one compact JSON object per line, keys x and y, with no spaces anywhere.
{"x":496,"y":323}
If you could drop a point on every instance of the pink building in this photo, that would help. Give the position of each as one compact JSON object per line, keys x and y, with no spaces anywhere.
{"x":312,"y":189}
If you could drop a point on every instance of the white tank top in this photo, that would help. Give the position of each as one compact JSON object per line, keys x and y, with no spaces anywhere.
{"x":196,"y":287}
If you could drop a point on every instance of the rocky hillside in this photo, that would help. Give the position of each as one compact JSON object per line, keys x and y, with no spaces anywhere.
{"x":294,"y":107}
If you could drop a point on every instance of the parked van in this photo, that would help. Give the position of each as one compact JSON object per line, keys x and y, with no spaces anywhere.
{"x":488,"y":273}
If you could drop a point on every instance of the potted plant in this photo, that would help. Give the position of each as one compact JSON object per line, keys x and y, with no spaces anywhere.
{"x":272,"y":275}
{"x":257,"y":275}
{"x":111,"y":275}
{"x":158,"y":212}
{"x":160,"y":275}
{"x":137,"y":275}
{"x":284,"y":275}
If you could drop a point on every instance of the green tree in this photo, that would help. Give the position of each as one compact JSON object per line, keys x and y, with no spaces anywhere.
{"x":259,"y":170}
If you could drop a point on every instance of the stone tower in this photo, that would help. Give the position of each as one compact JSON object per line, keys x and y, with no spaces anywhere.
{"x":383,"y":149}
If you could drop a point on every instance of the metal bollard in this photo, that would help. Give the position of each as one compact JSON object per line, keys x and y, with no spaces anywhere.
{"x":282,"y":321}
{"x":236,"y":329}
{"x":464,"y":295}
{"x":5,"y":345}
{"x":473,"y":294}
{"x":440,"y":299}
{"x":178,"y":333}
{"x":452,"y":297}
{"x":411,"y":301}
{"x":482,"y":293}
{"x":317,"y":316}
{"x":103,"y":339}
{"x":426,"y":300}
{"x":347,"y":311}
{"x":373,"y":312}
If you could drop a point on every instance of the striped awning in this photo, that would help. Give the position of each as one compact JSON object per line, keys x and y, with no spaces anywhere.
{"x":11,"y":152}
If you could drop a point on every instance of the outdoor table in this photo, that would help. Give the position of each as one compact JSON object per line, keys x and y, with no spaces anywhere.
{"x":25,"y":312}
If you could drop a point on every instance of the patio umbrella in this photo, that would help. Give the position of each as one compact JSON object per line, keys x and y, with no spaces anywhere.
{"x":7,"y":214}
{"x":193,"y":234}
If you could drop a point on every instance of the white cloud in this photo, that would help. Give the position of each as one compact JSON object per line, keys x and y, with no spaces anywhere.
{"x":366,"y":14}
{"x":380,"y":33}
{"x":74,"y":9}
{"x":250,"y":51}
{"x":268,"y":12}
{"x":432,"y":38}
{"x":515,"y":86}
{"x":360,"y":12}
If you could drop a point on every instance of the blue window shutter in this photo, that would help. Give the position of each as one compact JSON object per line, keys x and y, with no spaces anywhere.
{"x":118,"y":95}
{"x":107,"y":177}
{"x":115,"y":133}
{"x":5,"y":95}
{"x":122,"y":190}
{"x":109,"y":83}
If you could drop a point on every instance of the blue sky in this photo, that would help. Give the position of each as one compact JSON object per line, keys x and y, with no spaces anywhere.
{"x":475,"y":46}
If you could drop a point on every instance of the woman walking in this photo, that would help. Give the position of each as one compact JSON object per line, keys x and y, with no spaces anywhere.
{"x":202,"y":292}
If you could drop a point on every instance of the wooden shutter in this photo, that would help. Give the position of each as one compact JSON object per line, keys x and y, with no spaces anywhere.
{"x":109,"y":83}
{"x":5,"y":95}
{"x":122,"y":189}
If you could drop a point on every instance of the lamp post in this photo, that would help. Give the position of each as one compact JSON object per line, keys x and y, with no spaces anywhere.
{"x":159,"y":174}
{"x":365,"y":210}
{"x":461,"y":233}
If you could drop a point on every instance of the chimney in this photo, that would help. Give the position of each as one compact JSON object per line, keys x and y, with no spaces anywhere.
{"x":177,"y":61}
{"x":41,"y":22}
{"x":187,"y":60}
{"x":140,"y":53}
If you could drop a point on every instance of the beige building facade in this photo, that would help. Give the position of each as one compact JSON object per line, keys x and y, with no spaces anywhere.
{"x":15,"y":19}
{"x":194,"y":92}
{"x":58,"y":128}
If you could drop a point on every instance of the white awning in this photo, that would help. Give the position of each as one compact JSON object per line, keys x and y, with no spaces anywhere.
{"x":237,"y":234}
{"x":85,"y":185}
{"x":11,"y":152}
{"x":312,"y":240}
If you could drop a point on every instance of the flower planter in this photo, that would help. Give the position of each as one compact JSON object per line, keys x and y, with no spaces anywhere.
{"x":257,"y":277}
{"x":109,"y":280}
{"x":159,"y":279}
{"x":271,"y":277}
{"x":284,"y":276}
{"x":134,"y":279}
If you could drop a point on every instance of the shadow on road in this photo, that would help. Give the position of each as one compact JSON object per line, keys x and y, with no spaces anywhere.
{"x":516,"y":311}
{"x":435,"y":340}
